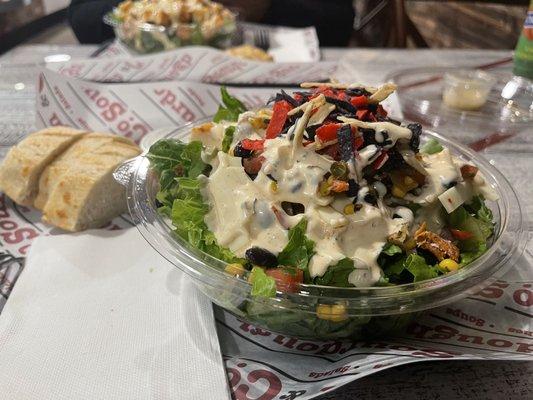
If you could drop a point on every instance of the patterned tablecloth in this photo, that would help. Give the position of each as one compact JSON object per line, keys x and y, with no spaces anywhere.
{"x":514,"y":157}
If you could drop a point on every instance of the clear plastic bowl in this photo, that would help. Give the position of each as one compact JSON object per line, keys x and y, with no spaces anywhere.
{"x":371,"y":311}
{"x":151,"y":38}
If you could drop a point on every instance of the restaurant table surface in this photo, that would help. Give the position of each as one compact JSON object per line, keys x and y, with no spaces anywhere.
{"x":428,"y":380}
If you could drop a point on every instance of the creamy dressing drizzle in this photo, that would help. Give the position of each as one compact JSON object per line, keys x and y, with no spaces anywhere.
{"x":246,"y":213}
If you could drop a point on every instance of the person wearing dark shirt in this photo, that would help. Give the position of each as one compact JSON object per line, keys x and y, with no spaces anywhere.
{"x":333,"y":19}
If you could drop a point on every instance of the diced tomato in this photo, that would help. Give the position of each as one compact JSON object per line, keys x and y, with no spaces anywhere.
{"x":381,"y":160}
{"x":358,"y":142}
{"x":279,"y":116}
{"x":285,"y":281}
{"x":255,"y":145}
{"x":253,"y":165}
{"x":461,"y":235}
{"x":328,"y":132}
{"x":359,"y":101}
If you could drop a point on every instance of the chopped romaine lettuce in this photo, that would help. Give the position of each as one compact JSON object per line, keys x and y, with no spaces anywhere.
{"x":337,"y":275}
{"x":391,"y":249}
{"x":228,"y":138}
{"x":262,"y":284}
{"x":298,"y":250}
{"x":230,"y":108}
{"x":412,"y":268}
{"x":480,"y":229}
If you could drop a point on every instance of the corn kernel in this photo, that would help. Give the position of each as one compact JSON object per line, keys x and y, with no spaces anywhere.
{"x":324,"y":188}
{"x":323,"y":311}
{"x":449,"y":265}
{"x":397,"y":192}
{"x":349,"y":209}
{"x":273,"y":187}
{"x":234,"y":269}
{"x":338,"y":313}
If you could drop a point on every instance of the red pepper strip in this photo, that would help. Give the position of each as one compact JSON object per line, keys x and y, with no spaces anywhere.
{"x":255,"y":145}
{"x":279,"y":116}
{"x":327,"y":132}
{"x":359,"y":101}
{"x":461,"y":235}
{"x":381,"y":160}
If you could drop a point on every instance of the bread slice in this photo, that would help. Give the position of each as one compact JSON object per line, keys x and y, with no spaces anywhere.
{"x":24,"y":163}
{"x":77,"y":191}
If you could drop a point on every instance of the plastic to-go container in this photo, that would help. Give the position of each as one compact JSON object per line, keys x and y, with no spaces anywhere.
{"x":364,"y":312}
{"x":143,"y":37}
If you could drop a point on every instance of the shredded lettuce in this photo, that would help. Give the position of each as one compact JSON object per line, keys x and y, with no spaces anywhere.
{"x":262,"y":284}
{"x":299,"y":249}
{"x":432,"y":146}
{"x":230,"y":108}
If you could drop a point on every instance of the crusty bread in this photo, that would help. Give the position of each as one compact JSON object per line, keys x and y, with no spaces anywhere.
{"x":77,"y":191}
{"x":24,"y":163}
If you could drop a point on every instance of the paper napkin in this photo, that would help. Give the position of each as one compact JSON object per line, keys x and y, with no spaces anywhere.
{"x":100,"y":315}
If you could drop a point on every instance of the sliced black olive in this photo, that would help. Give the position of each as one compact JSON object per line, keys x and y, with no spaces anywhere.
{"x":416,"y":130}
{"x":395,"y":161}
{"x":292,"y":208}
{"x":311,"y":131}
{"x":357,"y":92}
{"x":261,"y":257}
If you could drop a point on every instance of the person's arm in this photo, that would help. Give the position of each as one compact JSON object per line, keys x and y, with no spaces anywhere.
{"x":85,"y":17}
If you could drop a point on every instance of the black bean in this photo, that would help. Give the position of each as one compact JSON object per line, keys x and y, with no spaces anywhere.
{"x":371,"y":198}
{"x":372,"y":108}
{"x":261,"y":257}
{"x":353,"y":188}
{"x":292,"y":208}
{"x":311,"y":131}
{"x":395,"y":161}
{"x":283,"y":96}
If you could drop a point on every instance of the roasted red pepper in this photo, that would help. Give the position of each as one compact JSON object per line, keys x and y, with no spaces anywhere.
{"x":279,"y":116}
{"x":327,"y":132}
{"x":254,"y":145}
{"x":358,"y":142}
{"x":381,"y":160}
{"x":461,"y":235}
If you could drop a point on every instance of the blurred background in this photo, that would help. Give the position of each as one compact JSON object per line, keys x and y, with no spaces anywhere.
{"x":377,"y":23}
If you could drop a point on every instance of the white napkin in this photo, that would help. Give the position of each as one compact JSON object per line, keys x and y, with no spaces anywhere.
{"x":100,"y":315}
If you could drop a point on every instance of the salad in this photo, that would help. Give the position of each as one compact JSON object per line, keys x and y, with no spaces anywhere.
{"x":323,"y":188}
{"x":155,"y":25}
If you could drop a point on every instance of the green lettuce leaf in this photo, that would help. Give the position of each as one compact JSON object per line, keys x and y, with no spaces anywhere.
{"x":262,"y":284}
{"x":478,"y":207}
{"x":391,"y":249}
{"x":412,"y":268}
{"x":337,"y":275}
{"x":432,"y":146}
{"x":480,"y":229}
{"x":230,"y":108}
{"x":299,"y":249}
{"x":228,"y":138}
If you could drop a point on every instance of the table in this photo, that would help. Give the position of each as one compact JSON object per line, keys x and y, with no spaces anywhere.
{"x":430,"y":380}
